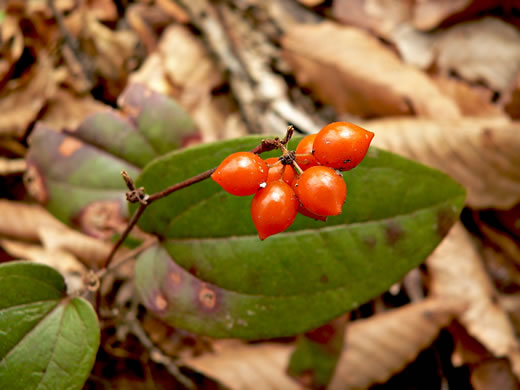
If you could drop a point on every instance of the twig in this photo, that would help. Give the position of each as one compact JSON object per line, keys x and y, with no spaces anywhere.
{"x":72,"y":43}
{"x":138,"y":195}
{"x":157,"y":355}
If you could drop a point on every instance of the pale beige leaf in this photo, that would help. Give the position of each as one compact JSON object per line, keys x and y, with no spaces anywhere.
{"x":10,"y":166}
{"x":458,"y":275}
{"x":241,"y":366}
{"x":382,"y":345}
{"x":375,"y":349}
{"x":24,"y":221}
{"x":354,"y":72}
{"x":491,"y":52}
{"x":482,"y":154}
{"x":71,"y":269}
{"x":90,"y":250}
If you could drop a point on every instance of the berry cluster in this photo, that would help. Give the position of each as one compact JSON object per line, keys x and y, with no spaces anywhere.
{"x":307,"y":181}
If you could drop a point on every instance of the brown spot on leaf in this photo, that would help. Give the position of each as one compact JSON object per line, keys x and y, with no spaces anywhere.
{"x":322,"y":335}
{"x":393,"y":232}
{"x":175,"y":277}
{"x":35,"y":184}
{"x":324,"y":278}
{"x":69,"y":146}
{"x":370,"y":241}
{"x":207,"y":297}
{"x":102,"y":219}
{"x":159,"y":302}
{"x":192,"y":139}
{"x":445,"y":219}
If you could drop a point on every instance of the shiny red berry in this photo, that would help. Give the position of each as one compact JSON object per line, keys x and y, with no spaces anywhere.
{"x":321,"y":190}
{"x":304,"y":156}
{"x":341,"y":145}
{"x":275,"y":172}
{"x":241,"y":173}
{"x":274,"y":208}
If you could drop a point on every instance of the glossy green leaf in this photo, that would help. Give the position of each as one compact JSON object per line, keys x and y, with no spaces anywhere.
{"x":396,"y":212}
{"x":47,"y":340}
{"x":76,"y":174}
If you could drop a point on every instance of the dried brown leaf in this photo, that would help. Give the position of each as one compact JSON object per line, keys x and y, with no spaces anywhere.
{"x":458,"y":275}
{"x":428,"y":14}
{"x":10,"y":166}
{"x":382,"y":345}
{"x":11,"y":44}
{"x":355,"y":73}
{"x":491,"y":52}
{"x":241,"y":366}
{"x":493,"y":374}
{"x":22,"y":99}
{"x":24,"y":221}
{"x":482,"y":154}
{"x":472,"y":100}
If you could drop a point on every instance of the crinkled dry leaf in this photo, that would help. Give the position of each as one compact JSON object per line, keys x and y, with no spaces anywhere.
{"x":458,"y":275}
{"x":90,"y":250}
{"x":11,"y":43}
{"x":355,"y":73}
{"x":22,"y":99}
{"x":491,"y":52}
{"x":65,"y":263}
{"x":380,"y":346}
{"x":493,"y":374}
{"x":482,"y":154}
{"x":428,"y":14}
{"x":24,"y":221}
{"x":241,"y":366}
{"x":375,"y":349}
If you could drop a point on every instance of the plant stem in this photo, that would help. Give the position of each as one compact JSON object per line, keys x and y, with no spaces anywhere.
{"x":137,"y":194}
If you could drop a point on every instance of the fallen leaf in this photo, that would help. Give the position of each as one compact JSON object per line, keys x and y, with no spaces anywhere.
{"x":355,"y":73}
{"x":493,"y":374}
{"x":428,"y":14}
{"x":491,"y":52}
{"x":241,"y":366}
{"x":22,"y":99}
{"x":458,"y":275}
{"x":374,"y":349}
{"x":23,"y":221}
{"x":382,"y":345}
{"x":482,"y":154}
{"x":473,"y":100}
{"x":11,"y":166}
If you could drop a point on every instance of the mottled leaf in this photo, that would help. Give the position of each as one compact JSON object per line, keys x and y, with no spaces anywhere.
{"x":76,"y":173}
{"x":47,"y":340}
{"x":299,"y":279}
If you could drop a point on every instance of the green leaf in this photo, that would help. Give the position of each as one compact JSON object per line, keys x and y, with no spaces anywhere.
{"x":317,"y":353}
{"x":47,"y":340}
{"x":76,"y":174}
{"x":397,"y":211}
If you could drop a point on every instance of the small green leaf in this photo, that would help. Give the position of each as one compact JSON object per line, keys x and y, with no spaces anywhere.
{"x":397,"y":211}
{"x":47,"y":340}
{"x":317,"y":352}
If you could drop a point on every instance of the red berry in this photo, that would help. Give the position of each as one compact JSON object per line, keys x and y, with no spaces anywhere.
{"x":305,"y":159}
{"x":321,"y":190}
{"x":274,"y":208}
{"x":341,"y":145}
{"x":241,"y":173}
{"x":275,"y":173}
